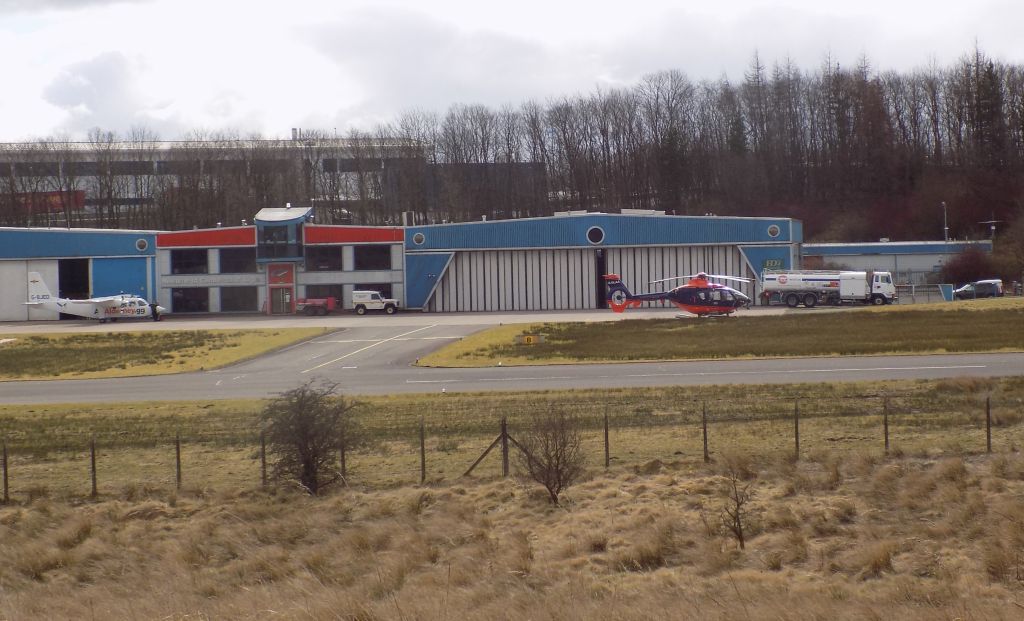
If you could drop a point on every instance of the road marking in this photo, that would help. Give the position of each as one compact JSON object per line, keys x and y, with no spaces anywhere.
{"x":394,"y":338}
{"x":419,"y":338}
{"x":701,"y":374}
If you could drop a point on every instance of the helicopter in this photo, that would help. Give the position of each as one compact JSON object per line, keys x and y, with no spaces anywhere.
{"x":698,"y":296}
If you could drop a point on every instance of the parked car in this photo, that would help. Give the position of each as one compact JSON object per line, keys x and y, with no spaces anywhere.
{"x":991,"y":288}
{"x":363,"y":301}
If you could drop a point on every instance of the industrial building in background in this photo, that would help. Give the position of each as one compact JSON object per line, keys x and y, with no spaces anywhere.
{"x":546,"y":263}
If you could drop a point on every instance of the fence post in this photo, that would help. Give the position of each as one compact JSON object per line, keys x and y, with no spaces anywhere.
{"x":92,"y":465}
{"x":704,"y":427}
{"x":607,"y":453}
{"x":504,"y":447}
{"x":263,"y":459}
{"x":796,"y":429}
{"x":885,"y":422}
{"x":177,"y":460}
{"x":423,"y":453}
{"x":988,"y":424}
{"x":7,"y":498}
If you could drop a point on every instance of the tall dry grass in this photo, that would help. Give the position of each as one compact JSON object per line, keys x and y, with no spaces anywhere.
{"x":908,"y":538}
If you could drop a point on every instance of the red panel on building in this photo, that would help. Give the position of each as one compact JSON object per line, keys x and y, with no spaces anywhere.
{"x":206,"y":238}
{"x":281,"y":273}
{"x":351,"y":234}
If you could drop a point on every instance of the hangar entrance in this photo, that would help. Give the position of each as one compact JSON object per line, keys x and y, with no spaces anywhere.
{"x":73,"y":281}
{"x":600,"y":269}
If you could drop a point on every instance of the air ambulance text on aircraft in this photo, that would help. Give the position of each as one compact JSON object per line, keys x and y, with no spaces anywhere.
{"x":104,"y":309}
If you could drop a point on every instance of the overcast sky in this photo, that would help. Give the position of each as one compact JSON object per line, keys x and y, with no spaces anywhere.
{"x":250,"y":66}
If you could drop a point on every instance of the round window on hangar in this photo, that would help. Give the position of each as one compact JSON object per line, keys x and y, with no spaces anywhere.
{"x":595,"y":235}
{"x":418,"y":239}
{"x":141,"y":245}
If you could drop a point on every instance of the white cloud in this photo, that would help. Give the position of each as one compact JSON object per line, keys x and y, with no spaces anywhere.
{"x":179,"y":65}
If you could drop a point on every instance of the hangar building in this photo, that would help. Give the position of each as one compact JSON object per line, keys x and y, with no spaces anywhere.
{"x":74,"y":263}
{"x":549,"y":263}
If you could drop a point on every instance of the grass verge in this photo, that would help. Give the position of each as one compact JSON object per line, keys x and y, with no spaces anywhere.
{"x":124,"y":354}
{"x":967,"y":327}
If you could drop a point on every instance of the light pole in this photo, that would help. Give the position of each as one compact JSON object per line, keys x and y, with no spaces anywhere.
{"x":945,"y":226}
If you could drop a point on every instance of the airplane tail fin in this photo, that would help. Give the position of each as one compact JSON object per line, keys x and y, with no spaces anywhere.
{"x":618,"y":295}
{"x":38,"y":292}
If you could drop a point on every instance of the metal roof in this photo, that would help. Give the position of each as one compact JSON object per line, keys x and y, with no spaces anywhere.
{"x":601,"y":230}
{"x":908,"y":247}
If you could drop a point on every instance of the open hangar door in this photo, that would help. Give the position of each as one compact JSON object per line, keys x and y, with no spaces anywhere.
{"x":638,"y":266}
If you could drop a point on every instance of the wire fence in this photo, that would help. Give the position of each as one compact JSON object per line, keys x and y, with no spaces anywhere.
{"x":410,"y":448}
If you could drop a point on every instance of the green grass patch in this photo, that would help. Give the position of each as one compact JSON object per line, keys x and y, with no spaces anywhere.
{"x":968,"y":327}
{"x":122,"y":354}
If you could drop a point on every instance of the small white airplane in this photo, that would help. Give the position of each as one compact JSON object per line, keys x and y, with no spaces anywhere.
{"x":104,"y":309}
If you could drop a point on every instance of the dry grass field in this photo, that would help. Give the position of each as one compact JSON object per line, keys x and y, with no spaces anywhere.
{"x":853,"y":538}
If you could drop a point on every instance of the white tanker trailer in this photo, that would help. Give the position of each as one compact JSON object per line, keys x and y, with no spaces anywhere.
{"x":813,"y":287}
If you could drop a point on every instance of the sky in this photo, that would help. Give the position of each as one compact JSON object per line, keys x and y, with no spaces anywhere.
{"x":258,"y":67}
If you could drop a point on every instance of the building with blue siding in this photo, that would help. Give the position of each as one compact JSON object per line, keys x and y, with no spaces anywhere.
{"x":557,"y":263}
{"x":74,"y":263}
{"x":550,"y":263}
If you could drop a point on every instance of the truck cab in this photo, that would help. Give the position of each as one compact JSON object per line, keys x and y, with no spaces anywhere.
{"x":363,"y":301}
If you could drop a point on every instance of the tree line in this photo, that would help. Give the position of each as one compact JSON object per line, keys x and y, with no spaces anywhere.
{"x":855,"y":153}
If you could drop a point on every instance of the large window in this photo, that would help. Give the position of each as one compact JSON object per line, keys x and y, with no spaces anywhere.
{"x":372,"y":257}
{"x":323,"y":258}
{"x":237,"y":260}
{"x":190,"y":300}
{"x":191,"y":261}
{"x":238,"y":299}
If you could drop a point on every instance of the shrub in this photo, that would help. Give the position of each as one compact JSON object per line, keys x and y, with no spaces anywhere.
{"x":305,"y":428}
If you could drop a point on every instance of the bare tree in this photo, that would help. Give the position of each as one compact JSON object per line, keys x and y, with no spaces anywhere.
{"x":306,"y":427}
{"x":551,"y":452}
{"x":738,"y":494}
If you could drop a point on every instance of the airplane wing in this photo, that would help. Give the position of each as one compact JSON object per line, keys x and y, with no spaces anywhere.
{"x":113,"y":301}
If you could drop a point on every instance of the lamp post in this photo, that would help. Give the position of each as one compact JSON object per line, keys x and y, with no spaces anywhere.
{"x":945,"y":226}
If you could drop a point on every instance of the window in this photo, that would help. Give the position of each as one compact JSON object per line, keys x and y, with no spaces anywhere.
{"x":323,"y":258}
{"x":238,"y":299}
{"x":190,"y":300}
{"x":372,"y":257}
{"x":237,"y":260}
{"x":191,"y":261}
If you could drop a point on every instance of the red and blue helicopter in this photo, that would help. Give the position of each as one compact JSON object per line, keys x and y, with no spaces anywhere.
{"x":698,"y":296}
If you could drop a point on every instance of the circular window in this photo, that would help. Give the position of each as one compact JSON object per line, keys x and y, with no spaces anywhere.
{"x":418,"y":239}
{"x":141,"y":245}
{"x":774,"y":230}
{"x":595,"y":235}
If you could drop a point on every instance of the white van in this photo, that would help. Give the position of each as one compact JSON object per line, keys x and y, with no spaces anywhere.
{"x":363,"y":301}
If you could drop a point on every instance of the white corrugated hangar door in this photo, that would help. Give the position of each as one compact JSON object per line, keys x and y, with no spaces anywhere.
{"x":509,"y":280}
{"x":639,"y":266}
{"x":14,"y":284}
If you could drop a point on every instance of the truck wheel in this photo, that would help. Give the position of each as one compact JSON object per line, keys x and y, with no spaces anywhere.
{"x":792,"y":300}
{"x":810,"y":300}
{"x":310,"y":310}
{"x":389,"y":309}
{"x":324,"y":311}
{"x":878,"y":300}
{"x":360,"y":310}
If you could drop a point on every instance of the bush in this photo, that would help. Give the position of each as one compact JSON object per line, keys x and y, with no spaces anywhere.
{"x":306,"y":428}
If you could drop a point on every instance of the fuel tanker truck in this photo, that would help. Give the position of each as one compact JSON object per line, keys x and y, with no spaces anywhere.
{"x":813,"y":287}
